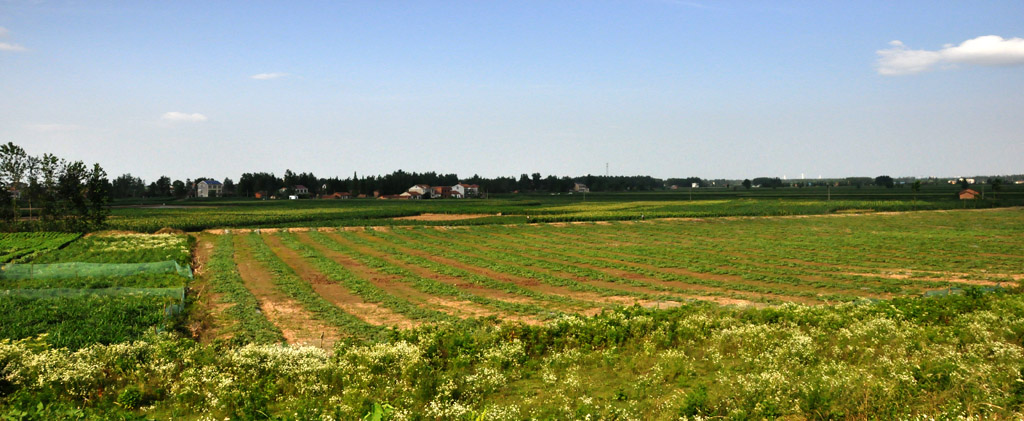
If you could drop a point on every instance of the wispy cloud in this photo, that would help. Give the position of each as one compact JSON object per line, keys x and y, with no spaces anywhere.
{"x":53,"y":128}
{"x":179,"y":116}
{"x":267,"y":76}
{"x":6,"y":46}
{"x":989,"y":50}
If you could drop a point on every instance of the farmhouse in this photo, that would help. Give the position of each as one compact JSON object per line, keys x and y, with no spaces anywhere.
{"x":300,"y":190}
{"x":422,"y":189}
{"x":440,"y":191}
{"x":338,"y":195}
{"x":209,"y":188}
{"x":580,"y":188}
{"x":411,"y":195}
{"x":968,"y":194}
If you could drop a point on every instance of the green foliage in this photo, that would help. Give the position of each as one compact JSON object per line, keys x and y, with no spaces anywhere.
{"x":249,"y":325}
{"x":23,"y":245}
{"x":854,"y":360}
{"x":123,"y":248}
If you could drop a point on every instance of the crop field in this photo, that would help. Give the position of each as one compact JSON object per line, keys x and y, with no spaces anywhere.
{"x":23,"y":245}
{"x":94,"y":289}
{"x":317,"y":286}
{"x":198,"y":214}
{"x":869,"y":315}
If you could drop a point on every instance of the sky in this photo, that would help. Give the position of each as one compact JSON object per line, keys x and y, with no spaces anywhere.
{"x":667,"y":88}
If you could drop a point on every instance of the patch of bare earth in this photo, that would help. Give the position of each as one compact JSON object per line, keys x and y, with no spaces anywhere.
{"x":441,"y":217}
{"x":528,"y":283}
{"x":475,"y":289}
{"x":204,"y":322}
{"x":395,"y":286}
{"x":298,"y":325}
{"x":335,"y":293}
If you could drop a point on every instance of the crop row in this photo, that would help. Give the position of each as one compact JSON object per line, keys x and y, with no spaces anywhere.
{"x":19,"y":245}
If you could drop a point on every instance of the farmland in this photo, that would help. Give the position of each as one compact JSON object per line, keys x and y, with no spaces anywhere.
{"x":828,"y":315}
{"x":93,"y":289}
{"x":200,"y":214}
{"x":408,"y":276}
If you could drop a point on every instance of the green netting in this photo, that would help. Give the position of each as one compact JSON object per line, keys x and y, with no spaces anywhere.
{"x":174,"y":306}
{"x":178,"y":292}
{"x":82,"y":270}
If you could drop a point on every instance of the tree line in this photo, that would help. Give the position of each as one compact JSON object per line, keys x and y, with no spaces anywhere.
{"x":50,"y":193}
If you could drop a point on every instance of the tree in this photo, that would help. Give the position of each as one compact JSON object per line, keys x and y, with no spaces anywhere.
{"x":14,"y":163}
{"x":126,"y":186}
{"x":997,"y":185}
{"x":229,"y":187}
{"x":747,"y":184}
{"x":180,"y":191}
{"x":884,"y":181}
{"x":964,"y":184}
{"x":97,"y":192}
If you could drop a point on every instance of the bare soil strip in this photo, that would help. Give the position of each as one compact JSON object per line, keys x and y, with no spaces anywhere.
{"x":531,"y":284}
{"x":441,"y":217}
{"x":206,"y":322}
{"x":476,"y":289}
{"x":393,"y":285}
{"x":298,"y":325}
{"x":335,"y":293}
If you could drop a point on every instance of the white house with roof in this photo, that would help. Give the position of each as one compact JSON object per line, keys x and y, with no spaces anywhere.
{"x":209,"y":188}
{"x":422,"y":189}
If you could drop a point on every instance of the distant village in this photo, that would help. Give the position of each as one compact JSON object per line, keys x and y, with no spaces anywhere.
{"x":214,"y":188}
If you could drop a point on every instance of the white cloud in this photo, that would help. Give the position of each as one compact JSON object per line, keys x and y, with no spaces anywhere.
{"x":267,"y":76}
{"x":6,"y":46}
{"x":989,"y":50}
{"x":178,"y":116}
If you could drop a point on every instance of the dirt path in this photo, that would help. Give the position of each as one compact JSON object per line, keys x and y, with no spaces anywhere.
{"x":298,"y":325}
{"x":204,"y":322}
{"x":335,"y":293}
{"x":475,"y":289}
{"x":393,"y":284}
{"x":441,"y":217}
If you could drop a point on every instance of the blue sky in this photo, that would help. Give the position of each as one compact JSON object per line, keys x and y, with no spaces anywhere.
{"x":664,"y":88}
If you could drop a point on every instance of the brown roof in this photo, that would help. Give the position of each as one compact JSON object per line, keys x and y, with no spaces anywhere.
{"x":969,"y":191}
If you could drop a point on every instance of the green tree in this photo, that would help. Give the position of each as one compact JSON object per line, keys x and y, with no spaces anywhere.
{"x":884,"y":181}
{"x":179,"y":189}
{"x":14,"y":164}
{"x":97,"y":192}
{"x":747,"y":184}
{"x":964,"y":184}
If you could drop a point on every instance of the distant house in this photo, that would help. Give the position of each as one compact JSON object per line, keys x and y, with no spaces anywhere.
{"x":338,"y":195}
{"x":300,"y":190}
{"x":440,"y":191}
{"x":411,"y":195}
{"x":261,"y":195}
{"x":472,"y":190}
{"x":209,"y":188}
{"x":580,"y":188}
{"x":452,"y":194}
{"x":968,"y":194}
{"x":422,"y":189}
